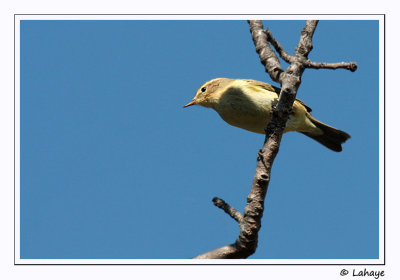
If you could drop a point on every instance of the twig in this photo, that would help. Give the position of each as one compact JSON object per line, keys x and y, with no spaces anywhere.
{"x":352,"y":66}
{"x":235,"y":214}
{"x":282,"y":53}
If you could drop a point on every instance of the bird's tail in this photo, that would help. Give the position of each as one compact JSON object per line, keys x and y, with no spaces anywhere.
{"x":331,"y":138}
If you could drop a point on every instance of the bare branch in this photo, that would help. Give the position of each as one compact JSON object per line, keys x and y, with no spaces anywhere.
{"x":246,"y":244}
{"x":226,"y":252}
{"x":250,"y":224}
{"x":352,"y":66}
{"x":305,"y":44}
{"x":307,"y":32}
{"x":235,"y":214}
{"x":267,"y":56}
{"x":282,"y":53}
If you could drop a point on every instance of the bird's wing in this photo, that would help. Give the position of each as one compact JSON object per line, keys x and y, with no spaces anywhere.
{"x":276,"y":90}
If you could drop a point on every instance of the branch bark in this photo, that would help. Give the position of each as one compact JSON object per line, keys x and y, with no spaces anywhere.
{"x":235,"y":214}
{"x":282,"y":53}
{"x":352,"y":66}
{"x":290,"y":79}
{"x":267,"y":56}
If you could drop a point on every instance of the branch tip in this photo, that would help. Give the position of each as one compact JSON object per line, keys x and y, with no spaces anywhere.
{"x":232,"y":212}
{"x":352,"y":66}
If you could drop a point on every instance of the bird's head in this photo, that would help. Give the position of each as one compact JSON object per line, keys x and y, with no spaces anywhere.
{"x":209,"y":93}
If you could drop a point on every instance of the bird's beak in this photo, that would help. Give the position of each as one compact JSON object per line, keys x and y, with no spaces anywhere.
{"x":190,"y":104}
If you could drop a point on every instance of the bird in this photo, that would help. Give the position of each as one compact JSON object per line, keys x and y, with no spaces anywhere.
{"x":248,"y":104}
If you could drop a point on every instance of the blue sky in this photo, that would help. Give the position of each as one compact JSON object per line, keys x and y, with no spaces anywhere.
{"x":112,"y":166}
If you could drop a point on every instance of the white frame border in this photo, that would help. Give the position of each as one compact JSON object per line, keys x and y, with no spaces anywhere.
{"x":380,"y":18}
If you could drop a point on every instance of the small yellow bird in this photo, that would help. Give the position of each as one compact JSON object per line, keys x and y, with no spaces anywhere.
{"x":248,"y":104}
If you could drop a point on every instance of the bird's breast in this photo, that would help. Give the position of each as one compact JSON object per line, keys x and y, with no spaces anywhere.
{"x":248,"y":110}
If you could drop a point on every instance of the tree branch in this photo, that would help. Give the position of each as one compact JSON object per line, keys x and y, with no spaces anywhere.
{"x":305,"y":44}
{"x":235,"y":214}
{"x":352,"y":66}
{"x":282,"y":53}
{"x":226,"y":252}
{"x":250,"y":224}
{"x":267,"y":56}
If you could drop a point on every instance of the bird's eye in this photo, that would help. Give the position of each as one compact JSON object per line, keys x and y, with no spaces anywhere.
{"x":203,"y":89}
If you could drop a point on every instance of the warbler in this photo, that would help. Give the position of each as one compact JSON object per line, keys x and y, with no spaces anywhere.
{"x":248,"y":104}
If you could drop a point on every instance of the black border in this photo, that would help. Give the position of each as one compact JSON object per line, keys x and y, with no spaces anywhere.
{"x":280,"y":264}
